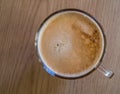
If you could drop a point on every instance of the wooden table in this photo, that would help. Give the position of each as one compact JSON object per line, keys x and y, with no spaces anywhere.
{"x":20,"y":71}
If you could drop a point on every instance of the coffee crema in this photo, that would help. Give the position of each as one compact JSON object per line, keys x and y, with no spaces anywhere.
{"x":70,"y":43}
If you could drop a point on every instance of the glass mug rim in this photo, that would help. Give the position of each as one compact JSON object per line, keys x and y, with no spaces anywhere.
{"x":95,"y":66}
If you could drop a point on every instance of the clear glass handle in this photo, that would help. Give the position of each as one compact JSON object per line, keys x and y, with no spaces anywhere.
{"x":106,"y":72}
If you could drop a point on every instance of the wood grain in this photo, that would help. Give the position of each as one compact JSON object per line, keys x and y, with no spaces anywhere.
{"x":20,"y":71}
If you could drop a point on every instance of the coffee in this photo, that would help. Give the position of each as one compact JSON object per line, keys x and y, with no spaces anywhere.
{"x":70,"y":43}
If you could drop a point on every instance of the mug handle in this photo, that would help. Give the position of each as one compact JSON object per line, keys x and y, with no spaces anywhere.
{"x":106,"y":72}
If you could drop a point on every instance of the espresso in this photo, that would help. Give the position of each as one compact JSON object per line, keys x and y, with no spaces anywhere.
{"x":70,"y":43}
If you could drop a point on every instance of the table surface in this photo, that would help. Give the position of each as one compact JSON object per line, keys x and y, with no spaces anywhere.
{"x":20,"y":70}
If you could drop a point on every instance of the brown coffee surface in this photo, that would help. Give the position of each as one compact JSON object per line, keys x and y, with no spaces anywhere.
{"x":71,"y":43}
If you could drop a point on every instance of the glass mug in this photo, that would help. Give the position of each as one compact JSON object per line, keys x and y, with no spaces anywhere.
{"x":98,"y":66}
